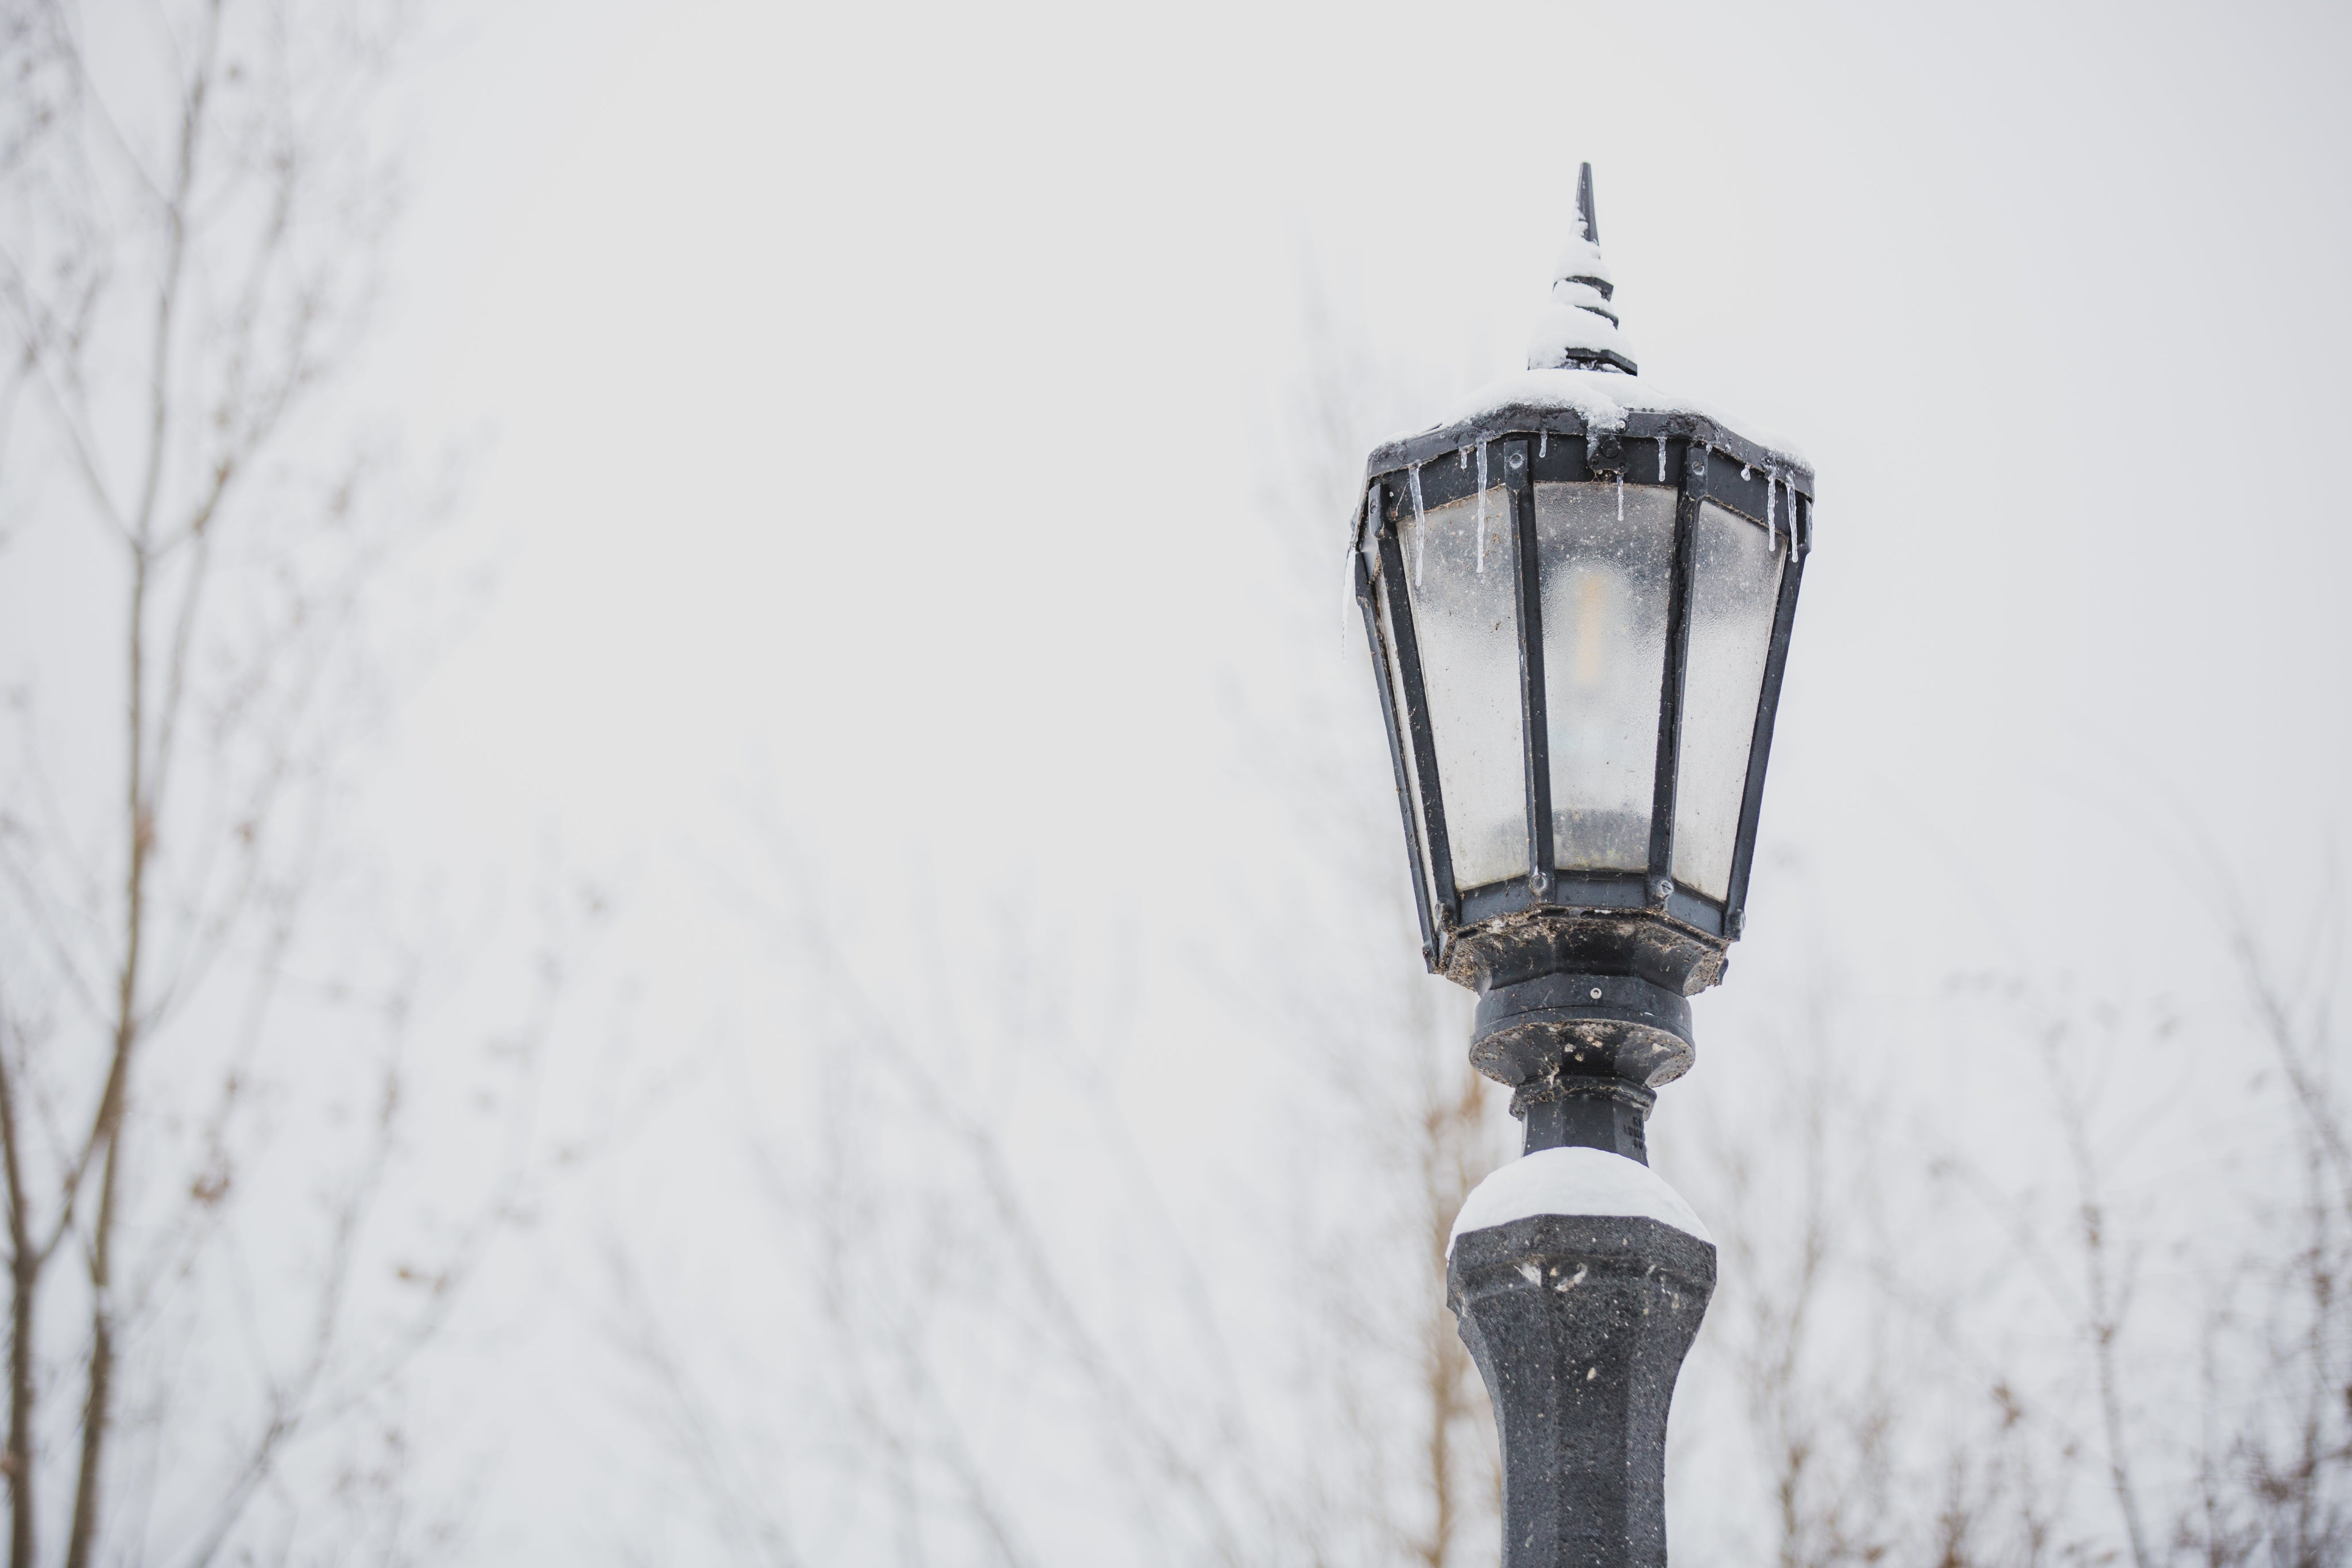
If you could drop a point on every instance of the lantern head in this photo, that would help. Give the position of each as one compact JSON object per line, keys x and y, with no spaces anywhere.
{"x":1578,"y":590}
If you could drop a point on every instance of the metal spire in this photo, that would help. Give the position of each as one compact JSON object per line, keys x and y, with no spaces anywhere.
{"x":1578,"y":330}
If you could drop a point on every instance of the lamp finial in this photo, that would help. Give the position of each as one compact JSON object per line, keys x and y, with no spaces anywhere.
{"x":1578,"y":330}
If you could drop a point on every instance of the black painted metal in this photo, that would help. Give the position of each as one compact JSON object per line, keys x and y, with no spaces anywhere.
{"x":1494,"y":900}
{"x":1580,"y":1325}
{"x":1760,"y":748}
{"x":1396,"y":742}
{"x":1560,"y":457}
{"x":1451,"y":479}
{"x":1606,"y":1113}
{"x":1629,"y":998}
{"x":1749,"y":489}
{"x":1599,"y":889}
{"x":1729,"y":446}
{"x":1535,"y":726}
{"x":1592,"y":891}
{"x":1581,"y":1023}
{"x":1583,"y":890}
{"x":1443,"y":904}
{"x":1696,"y":910}
{"x":1584,"y":204}
{"x":1670,"y":691}
{"x":1638,"y":943}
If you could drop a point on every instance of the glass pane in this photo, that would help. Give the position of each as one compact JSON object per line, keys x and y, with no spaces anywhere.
{"x":1607,"y":555}
{"x":1458,"y":564}
{"x":1404,"y":737}
{"x":1736,"y":587}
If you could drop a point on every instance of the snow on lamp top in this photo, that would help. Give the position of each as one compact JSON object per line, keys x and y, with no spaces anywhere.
{"x":1579,"y":363}
{"x":1578,"y":330}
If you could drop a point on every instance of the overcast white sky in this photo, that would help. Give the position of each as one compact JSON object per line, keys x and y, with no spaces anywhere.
{"x":874,"y":392}
{"x":877,"y":398}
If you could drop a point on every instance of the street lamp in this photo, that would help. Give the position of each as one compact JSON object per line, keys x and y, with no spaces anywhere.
{"x":1577,"y":592}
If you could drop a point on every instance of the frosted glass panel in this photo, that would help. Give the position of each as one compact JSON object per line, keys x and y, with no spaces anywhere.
{"x":1735,"y":586}
{"x":1607,"y":560}
{"x":1463,"y":613}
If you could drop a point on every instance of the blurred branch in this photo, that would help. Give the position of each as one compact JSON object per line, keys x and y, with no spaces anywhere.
{"x":191,"y":211}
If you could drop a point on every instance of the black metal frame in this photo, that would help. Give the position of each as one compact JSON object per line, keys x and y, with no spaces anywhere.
{"x":1702,"y":461}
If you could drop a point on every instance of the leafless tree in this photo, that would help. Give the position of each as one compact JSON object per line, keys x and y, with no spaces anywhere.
{"x":1286,"y":1386}
{"x":209,"y":1007}
{"x":2211,"y":1436}
{"x":943,"y":1296}
{"x":1383,"y":1043}
{"x":2274,"y":1467}
{"x":2222,"y":1437}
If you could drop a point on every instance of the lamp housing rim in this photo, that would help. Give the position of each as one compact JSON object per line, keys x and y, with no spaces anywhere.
{"x":1534,"y":417}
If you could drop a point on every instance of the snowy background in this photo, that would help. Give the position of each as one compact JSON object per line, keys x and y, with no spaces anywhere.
{"x":905,"y":457}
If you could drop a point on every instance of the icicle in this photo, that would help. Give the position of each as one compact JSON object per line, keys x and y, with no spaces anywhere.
{"x":1772,"y":489}
{"x":1349,"y":561}
{"x":1462,"y":458}
{"x":1482,"y":509}
{"x":1543,"y":440}
{"x":1419,"y":522}
{"x":1661,"y":460}
{"x":1620,"y":498}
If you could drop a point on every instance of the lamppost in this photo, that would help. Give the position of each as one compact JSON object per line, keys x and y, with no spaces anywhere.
{"x":1579,"y":592}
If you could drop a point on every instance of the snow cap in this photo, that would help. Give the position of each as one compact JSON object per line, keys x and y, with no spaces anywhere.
{"x":1578,"y":330}
{"x":1574,"y":1181}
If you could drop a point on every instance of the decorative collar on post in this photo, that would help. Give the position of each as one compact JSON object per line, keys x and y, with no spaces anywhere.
{"x":1578,"y":330}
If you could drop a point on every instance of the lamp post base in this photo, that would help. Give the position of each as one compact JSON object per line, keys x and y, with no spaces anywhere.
{"x":1579,"y":1324}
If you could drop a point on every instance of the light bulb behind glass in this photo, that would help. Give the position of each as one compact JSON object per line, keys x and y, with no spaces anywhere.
{"x":1604,"y":621}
